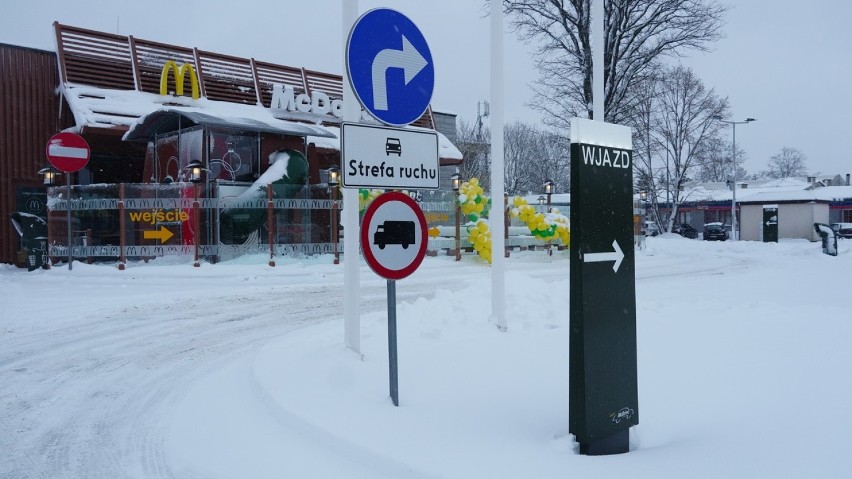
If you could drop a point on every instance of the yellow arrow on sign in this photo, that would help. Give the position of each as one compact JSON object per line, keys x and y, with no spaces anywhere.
{"x":161,"y":234}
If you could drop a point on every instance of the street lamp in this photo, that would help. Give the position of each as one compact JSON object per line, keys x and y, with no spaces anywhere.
{"x":549,"y":185}
{"x":733,"y":169}
{"x":195,"y":168}
{"x":49,"y":175}
{"x":506,"y":223}
{"x":49,"y":179}
{"x":548,"y":190}
{"x":541,"y":200}
{"x":455,"y":181}
{"x":333,"y":181}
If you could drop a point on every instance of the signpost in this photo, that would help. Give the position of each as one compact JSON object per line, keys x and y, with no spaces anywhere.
{"x":391,"y":72}
{"x":394,"y":239}
{"x":603,"y":377}
{"x":390,"y":66}
{"x":69,"y":153}
{"x":382,"y":157}
{"x":770,"y":223}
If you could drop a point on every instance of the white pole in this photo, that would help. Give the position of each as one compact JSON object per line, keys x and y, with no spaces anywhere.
{"x":734,"y":184}
{"x":598,"y":59}
{"x":351,"y":227}
{"x":498,"y":243}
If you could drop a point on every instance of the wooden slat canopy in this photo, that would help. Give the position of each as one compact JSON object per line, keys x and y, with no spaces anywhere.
{"x":105,"y":60}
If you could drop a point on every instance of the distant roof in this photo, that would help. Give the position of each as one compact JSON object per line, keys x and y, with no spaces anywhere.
{"x":826,"y":194}
{"x":785,"y":189}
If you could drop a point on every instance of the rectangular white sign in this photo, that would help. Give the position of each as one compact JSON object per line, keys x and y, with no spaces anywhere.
{"x":385,"y":157}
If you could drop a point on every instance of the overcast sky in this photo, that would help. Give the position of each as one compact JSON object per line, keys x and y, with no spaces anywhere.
{"x":786,"y":63}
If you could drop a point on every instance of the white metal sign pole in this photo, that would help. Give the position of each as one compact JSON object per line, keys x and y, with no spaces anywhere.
{"x":497,"y":218}
{"x":598,"y":59}
{"x":351,"y":279}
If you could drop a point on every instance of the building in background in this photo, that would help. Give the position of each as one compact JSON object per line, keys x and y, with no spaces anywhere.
{"x":148,"y":110}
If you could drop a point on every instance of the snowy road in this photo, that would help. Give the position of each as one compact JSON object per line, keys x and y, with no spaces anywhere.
{"x":94,"y":361}
{"x":87,"y":381}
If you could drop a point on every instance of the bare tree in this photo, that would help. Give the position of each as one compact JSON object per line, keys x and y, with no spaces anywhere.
{"x":474,"y":142}
{"x":645,"y":146}
{"x":715,"y":161}
{"x":789,"y":162}
{"x":533,"y":156}
{"x":682,"y":126}
{"x":637,"y":34}
{"x":519,"y":138}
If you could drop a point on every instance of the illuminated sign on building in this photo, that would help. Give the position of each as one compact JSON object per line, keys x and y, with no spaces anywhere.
{"x":180,"y":72}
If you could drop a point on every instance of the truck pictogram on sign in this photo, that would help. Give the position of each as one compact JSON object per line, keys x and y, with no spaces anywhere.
{"x":394,"y":232}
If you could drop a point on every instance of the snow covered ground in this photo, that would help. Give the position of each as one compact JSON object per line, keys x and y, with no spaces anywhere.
{"x":238,"y":370}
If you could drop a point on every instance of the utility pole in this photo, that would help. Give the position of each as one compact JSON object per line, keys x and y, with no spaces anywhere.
{"x":733,"y":170}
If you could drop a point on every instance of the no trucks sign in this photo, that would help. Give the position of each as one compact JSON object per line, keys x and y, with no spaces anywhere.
{"x":394,"y":235}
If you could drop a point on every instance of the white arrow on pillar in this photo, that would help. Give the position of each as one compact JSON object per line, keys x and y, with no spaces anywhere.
{"x":617,"y":255}
{"x":409,"y":59}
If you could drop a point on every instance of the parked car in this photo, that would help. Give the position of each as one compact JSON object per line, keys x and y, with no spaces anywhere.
{"x":843,"y":230}
{"x":715,"y":231}
{"x":651,"y":229}
{"x":686,"y":230}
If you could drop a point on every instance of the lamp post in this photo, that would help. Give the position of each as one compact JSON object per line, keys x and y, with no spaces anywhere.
{"x":549,"y":185}
{"x":195,"y":167}
{"x":50,"y":179}
{"x":548,"y":190}
{"x":456,"y":183}
{"x":733,"y":169}
{"x":48,"y":174}
{"x":333,"y":181}
{"x":506,"y":222}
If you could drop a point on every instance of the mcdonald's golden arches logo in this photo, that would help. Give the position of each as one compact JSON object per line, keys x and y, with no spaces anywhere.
{"x":180,"y":73}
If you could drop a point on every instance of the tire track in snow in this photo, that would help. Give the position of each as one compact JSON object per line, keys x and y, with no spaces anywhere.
{"x":112,"y":375}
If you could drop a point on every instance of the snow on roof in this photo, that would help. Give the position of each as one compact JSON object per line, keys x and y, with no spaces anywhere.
{"x":107,"y":108}
{"x":823,"y":194}
{"x":785,"y":189}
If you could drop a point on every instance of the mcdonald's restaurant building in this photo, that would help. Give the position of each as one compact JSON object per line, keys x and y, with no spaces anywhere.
{"x":265,"y":135}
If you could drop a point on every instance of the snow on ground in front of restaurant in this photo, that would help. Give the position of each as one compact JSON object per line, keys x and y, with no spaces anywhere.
{"x":238,"y":370}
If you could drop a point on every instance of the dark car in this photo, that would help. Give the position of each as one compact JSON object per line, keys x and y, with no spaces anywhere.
{"x":651,"y":228}
{"x":685,"y":230}
{"x":843,"y":230}
{"x":715,"y":231}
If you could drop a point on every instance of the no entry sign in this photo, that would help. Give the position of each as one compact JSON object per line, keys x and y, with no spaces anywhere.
{"x":394,"y":235}
{"x":68,"y":152}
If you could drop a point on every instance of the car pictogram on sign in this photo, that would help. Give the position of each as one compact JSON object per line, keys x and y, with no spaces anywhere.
{"x":392,"y":145}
